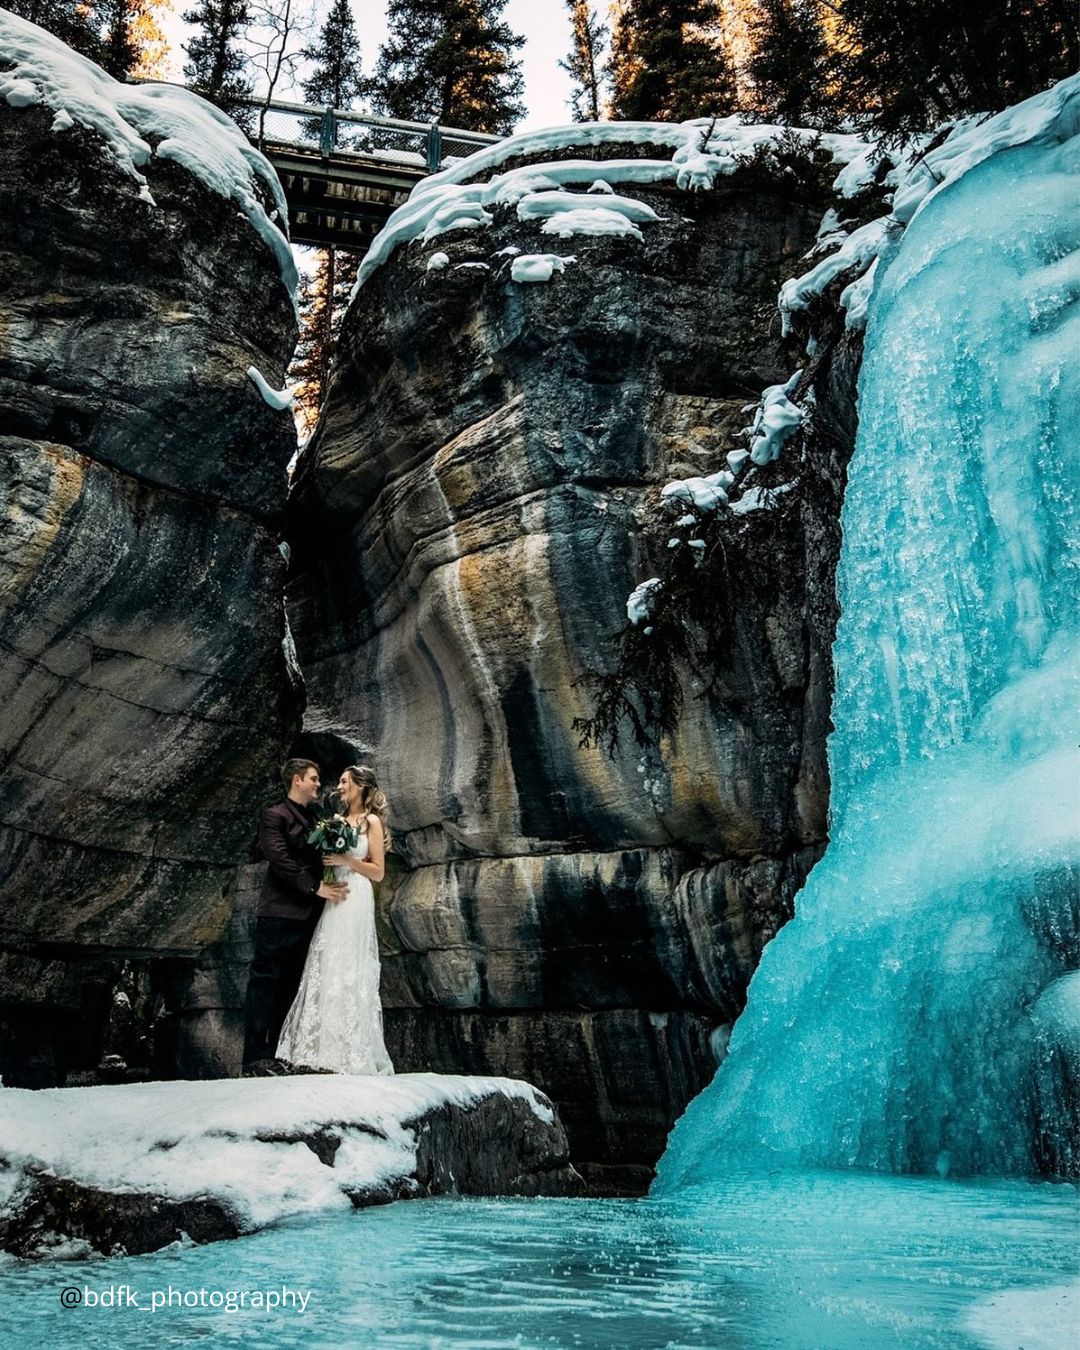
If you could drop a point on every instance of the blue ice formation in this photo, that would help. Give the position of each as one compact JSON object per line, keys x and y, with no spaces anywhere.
{"x":918,"y":1014}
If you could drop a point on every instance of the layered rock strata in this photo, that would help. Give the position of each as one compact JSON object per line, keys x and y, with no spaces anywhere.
{"x":467,"y":525}
{"x":145,"y":689}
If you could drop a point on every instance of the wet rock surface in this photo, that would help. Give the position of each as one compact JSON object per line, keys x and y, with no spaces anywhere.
{"x":466,"y":527}
{"x":56,"y":1216}
{"x":145,"y":690}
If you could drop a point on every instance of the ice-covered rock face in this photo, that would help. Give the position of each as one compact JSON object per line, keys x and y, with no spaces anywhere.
{"x":145,"y":692}
{"x":465,"y":533}
{"x":918,"y":1015}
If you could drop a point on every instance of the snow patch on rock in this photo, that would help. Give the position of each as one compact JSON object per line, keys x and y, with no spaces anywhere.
{"x":278,"y":399}
{"x":592,"y":222}
{"x":236,"y":1139}
{"x":701,"y":151}
{"x":858,"y":250}
{"x":140,"y":122}
{"x":578,"y":213}
{"x":534,"y":267}
{"x":640,"y":602}
{"x":1051,"y":117}
{"x":706,"y":493}
{"x":455,"y":216}
{"x":776,"y":420}
{"x":19,"y":93}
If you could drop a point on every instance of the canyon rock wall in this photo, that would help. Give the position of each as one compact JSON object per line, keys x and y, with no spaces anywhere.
{"x":146,"y":695}
{"x":465,"y":529}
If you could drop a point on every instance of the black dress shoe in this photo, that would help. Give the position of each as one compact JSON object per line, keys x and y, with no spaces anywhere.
{"x":263,"y":1068}
{"x":307,"y":1068}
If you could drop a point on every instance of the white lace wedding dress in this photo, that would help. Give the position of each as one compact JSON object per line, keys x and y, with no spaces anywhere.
{"x":335,"y":1021}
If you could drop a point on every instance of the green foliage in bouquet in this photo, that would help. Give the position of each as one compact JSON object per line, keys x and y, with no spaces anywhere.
{"x":333,"y":834}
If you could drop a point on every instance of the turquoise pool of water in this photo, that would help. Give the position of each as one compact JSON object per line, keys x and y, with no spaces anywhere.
{"x":789,"y":1260}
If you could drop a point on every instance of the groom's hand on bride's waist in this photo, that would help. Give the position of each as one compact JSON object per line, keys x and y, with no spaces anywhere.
{"x":331,"y":893}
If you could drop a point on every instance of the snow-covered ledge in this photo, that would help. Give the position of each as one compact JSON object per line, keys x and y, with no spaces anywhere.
{"x":131,"y":1168}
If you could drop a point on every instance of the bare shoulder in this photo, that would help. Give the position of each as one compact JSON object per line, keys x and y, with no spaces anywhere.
{"x":374,"y":824}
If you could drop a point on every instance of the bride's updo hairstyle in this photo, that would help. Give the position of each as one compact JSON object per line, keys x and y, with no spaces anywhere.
{"x":372,"y":798}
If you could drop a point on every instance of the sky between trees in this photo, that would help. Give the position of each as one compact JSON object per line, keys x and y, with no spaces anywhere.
{"x":544,"y":24}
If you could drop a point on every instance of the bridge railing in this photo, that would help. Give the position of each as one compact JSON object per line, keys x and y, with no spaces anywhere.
{"x":333,"y":131}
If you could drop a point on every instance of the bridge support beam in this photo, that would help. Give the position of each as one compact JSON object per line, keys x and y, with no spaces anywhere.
{"x":327,"y":133}
{"x":434,"y":148}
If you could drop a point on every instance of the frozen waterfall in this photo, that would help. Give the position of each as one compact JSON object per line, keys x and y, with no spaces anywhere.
{"x":918,"y":1014}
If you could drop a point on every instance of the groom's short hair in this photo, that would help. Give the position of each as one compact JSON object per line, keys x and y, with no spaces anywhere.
{"x":292,"y":767}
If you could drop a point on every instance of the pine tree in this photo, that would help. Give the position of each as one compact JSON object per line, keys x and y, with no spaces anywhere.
{"x":912,"y":63}
{"x":585,"y":62}
{"x":335,"y":80}
{"x":668,"y":61}
{"x":452,"y":62}
{"x":131,"y":38}
{"x":124,"y":37}
{"x":216,"y":65}
{"x":311,"y":360}
{"x":119,"y":53}
{"x":789,"y":66}
{"x":324,"y":298}
{"x":151,"y":40}
{"x":69,"y":20}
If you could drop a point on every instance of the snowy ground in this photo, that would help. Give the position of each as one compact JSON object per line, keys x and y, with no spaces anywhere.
{"x":180,"y":1140}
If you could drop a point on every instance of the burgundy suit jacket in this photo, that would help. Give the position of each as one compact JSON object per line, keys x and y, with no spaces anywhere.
{"x":294,"y":867}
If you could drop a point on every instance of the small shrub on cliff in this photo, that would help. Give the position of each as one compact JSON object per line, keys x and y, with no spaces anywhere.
{"x":789,"y":159}
{"x":686,"y":641}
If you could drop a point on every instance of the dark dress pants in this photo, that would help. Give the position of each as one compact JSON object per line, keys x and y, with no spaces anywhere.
{"x":281,"y":947}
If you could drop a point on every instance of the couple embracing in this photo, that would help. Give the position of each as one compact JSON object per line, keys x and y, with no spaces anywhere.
{"x":313,"y":991}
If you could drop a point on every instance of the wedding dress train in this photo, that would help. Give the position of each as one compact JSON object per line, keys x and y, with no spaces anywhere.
{"x":335,"y":1021}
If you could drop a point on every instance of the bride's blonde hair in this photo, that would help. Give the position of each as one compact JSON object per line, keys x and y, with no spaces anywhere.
{"x":372,"y":799}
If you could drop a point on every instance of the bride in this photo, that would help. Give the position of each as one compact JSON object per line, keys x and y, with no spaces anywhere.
{"x":335,"y":1021}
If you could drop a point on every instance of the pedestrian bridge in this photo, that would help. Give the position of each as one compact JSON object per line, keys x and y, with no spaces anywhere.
{"x":344,"y":172}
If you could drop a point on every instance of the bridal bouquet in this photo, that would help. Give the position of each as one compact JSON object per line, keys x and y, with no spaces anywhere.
{"x":333,"y":834}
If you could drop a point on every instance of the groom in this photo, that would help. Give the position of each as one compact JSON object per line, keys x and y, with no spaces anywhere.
{"x":290,"y":903}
